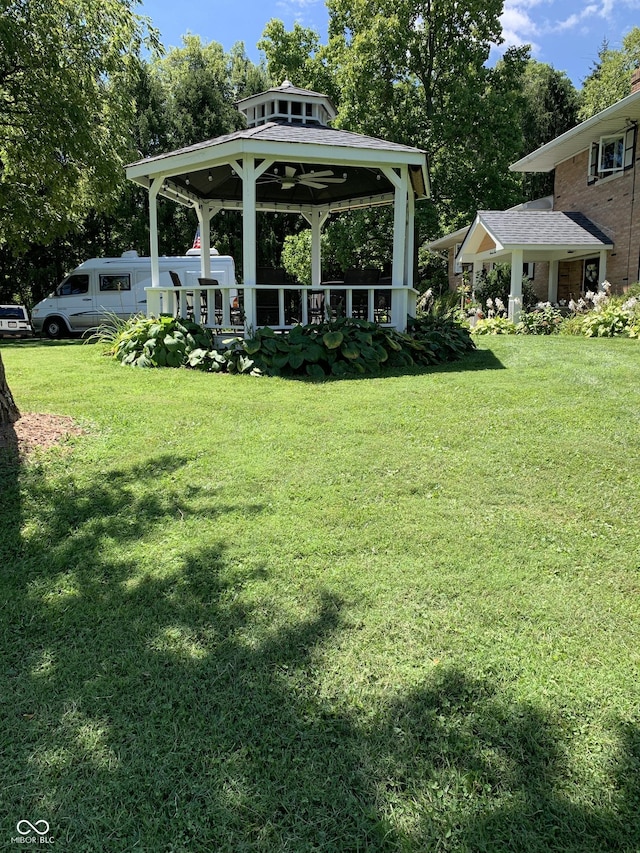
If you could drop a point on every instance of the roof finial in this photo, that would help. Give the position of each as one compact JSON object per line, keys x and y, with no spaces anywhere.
{"x":287,"y":84}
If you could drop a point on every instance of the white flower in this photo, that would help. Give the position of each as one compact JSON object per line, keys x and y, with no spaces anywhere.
{"x":630,"y":304}
{"x":489,"y":302}
{"x":581,"y":304}
{"x":606,"y":286}
{"x":572,"y":305}
{"x":429,"y":293}
{"x":589,"y":296}
{"x":499,"y":304}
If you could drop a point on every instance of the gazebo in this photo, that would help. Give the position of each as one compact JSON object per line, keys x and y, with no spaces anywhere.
{"x":289,"y":159}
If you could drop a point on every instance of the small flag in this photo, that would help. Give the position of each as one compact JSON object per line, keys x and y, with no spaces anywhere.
{"x":196,"y":239}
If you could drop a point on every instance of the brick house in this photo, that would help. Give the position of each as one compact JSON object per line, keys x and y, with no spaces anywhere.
{"x":588,"y":232}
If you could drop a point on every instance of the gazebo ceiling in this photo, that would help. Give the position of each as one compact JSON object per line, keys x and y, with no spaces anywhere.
{"x":287,"y":182}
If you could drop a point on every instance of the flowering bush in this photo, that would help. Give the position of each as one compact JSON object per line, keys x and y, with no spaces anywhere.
{"x":546,"y":319}
{"x":599,"y":315}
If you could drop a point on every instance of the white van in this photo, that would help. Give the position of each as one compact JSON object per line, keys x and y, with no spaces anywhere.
{"x":106,"y":286}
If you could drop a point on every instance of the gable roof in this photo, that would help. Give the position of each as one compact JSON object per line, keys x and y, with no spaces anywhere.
{"x":550,"y":227}
{"x":610,"y":121}
{"x":496,"y":231}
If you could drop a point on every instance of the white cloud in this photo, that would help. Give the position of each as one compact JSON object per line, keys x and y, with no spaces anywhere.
{"x":574,"y":20}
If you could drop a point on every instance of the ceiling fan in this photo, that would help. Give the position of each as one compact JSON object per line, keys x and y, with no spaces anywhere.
{"x":291,"y":177}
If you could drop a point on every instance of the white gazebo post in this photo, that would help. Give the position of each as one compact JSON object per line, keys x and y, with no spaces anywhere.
{"x":602,"y":273}
{"x":204,"y":221}
{"x":515,"y":294}
{"x":153,"y":299}
{"x":552,"y":290}
{"x":316,"y":219}
{"x":399,"y":301}
{"x":249,"y":173}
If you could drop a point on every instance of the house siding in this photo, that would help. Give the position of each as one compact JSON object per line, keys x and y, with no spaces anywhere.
{"x":610,"y":204}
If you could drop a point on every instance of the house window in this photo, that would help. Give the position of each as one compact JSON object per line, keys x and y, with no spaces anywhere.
{"x":612,"y":154}
{"x":528,"y":270}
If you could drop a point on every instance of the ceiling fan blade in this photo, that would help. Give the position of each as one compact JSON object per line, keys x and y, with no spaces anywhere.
{"x":327,"y":173}
{"x":290,"y":171}
{"x":333,"y":180}
{"x":313,"y":184}
{"x":287,"y":185}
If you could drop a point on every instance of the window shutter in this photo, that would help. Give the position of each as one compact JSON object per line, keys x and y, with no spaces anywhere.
{"x":629,"y":147}
{"x":593,"y":163}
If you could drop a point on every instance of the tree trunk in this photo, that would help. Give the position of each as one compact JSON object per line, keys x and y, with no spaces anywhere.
{"x":9,"y":413}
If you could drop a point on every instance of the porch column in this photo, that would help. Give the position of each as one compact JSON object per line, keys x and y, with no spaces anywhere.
{"x":552,"y":290}
{"x":602,"y":276}
{"x":515,"y":294}
{"x":153,"y":299}
{"x":477,"y":269}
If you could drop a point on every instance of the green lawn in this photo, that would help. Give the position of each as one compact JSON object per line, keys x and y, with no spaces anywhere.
{"x":392,"y":614}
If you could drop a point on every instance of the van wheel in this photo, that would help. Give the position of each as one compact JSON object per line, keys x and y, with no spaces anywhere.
{"x":53,"y":328}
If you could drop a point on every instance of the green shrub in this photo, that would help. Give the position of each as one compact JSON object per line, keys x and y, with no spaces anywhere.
{"x":494,"y":326}
{"x":496,"y":284}
{"x":572,"y":325}
{"x":342,"y":347}
{"x":154,"y":341}
{"x":608,"y":321}
{"x":445,"y":334}
{"x":543,"y":320}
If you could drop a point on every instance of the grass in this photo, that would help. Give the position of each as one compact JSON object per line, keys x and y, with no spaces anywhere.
{"x":393,"y":614}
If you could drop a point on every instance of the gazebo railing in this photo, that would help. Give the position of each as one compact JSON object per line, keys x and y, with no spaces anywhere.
{"x":281,"y":307}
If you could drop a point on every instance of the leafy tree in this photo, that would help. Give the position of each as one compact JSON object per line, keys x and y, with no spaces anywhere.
{"x":246,"y":78}
{"x":549,"y":107}
{"x":610,"y":77}
{"x":297,"y":56}
{"x":66,"y":70}
{"x":413,"y":71}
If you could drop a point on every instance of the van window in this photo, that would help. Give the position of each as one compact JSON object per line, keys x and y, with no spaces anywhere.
{"x":115,"y":282}
{"x":73,"y":284}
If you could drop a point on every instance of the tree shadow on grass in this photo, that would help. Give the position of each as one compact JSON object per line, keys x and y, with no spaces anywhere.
{"x":171,"y":707}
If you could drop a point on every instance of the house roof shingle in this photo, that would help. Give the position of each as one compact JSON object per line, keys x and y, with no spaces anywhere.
{"x":542,"y":227}
{"x":291,"y":133}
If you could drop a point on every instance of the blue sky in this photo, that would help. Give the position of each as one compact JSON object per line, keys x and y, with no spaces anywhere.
{"x":564,"y":33}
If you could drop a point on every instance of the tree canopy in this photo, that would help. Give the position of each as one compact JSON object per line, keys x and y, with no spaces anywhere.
{"x":610,"y":78}
{"x":66,"y":75}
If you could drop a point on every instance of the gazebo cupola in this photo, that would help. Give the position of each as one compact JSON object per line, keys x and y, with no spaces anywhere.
{"x":289,"y":105}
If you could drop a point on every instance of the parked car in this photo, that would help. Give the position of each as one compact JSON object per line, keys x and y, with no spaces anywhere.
{"x":14,"y":322}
